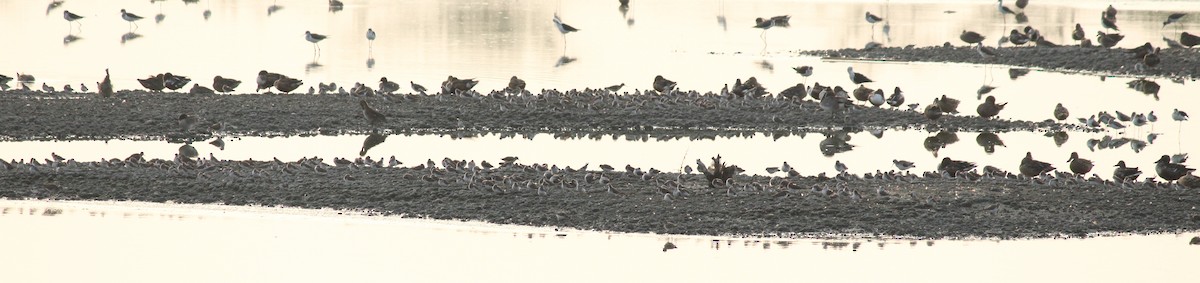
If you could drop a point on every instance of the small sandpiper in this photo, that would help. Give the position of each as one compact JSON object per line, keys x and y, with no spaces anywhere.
{"x":314,"y":38}
{"x":131,"y":18}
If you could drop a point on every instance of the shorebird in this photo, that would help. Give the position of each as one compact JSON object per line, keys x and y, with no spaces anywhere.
{"x":374,"y":118}
{"x":1032,"y":168}
{"x":105,"y":86}
{"x":516,"y":85}
{"x":1150,"y":60}
{"x":186,"y":122}
{"x":953,"y":167}
{"x":1108,"y":23}
{"x":153,"y":83}
{"x":1189,"y":40}
{"x":971,"y":37}
{"x":173,"y":82}
{"x":417,"y":88}
{"x":387,"y":87}
{"x":1170,"y":171}
{"x":896,"y":99}
{"x":1003,"y":10}
{"x":989,"y":108}
{"x":454,"y":85}
{"x":985,"y":51}
{"x":198,"y":89}
{"x":314,"y":38}
{"x":902,"y":164}
{"x":286,"y":84}
{"x":224,"y":85}
{"x":47,"y":88}
{"x":873,"y":19}
{"x":564,"y":29}
{"x":266,"y":80}
{"x":71,"y":18}
{"x":663,"y":85}
{"x":615,"y":88}
{"x":1174,"y":17}
{"x":877,"y":98}
{"x":370,"y":39}
{"x":1061,"y":112}
{"x":131,"y":18}
{"x":1108,"y":40}
{"x":947,"y":104}
{"x":1123,"y":174}
{"x":855,"y":77}
{"x":840,"y":167}
{"x":932,"y":111}
{"x":804,"y":71}
{"x":1079,"y":166}
{"x":1017,"y":38}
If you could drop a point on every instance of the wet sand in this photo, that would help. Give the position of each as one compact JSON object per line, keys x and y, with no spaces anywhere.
{"x":142,"y":115}
{"x":917,"y":207}
{"x":1177,"y":63}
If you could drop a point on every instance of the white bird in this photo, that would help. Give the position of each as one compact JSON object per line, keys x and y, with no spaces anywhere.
{"x":130,"y":17}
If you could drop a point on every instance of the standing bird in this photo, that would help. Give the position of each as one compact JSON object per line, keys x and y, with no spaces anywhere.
{"x":198,"y":89}
{"x":932,"y":112}
{"x":857,"y":78}
{"x":1108,"y":23}
{"x":71,"y":18}
{"x":186,"y":122}
{"x":971,"y":37}
{"x":840,"y":167}
{"x":564,"y":29}
{"x":417,"y":88}
{"x":989,"y":108}
{"x":266,"y":80}
{"x":105,"y":86}
{"x":947,"y":104}
{"x":153,"y":83}
{"x":516,"y":85}
{"x":1079,"y":166}
{"x":1170,"y":171}
{"x":224,"y":85}
{"x":131,"y":18}
{"x":663,"y":85}
{"x":903,"y":164}
{"x":1151,"y":59}
{"x":314,"y":38}
{"x":370,"y":39}
{"x":896,"y":99}
{"x":804,"y":71}
{"x":1189,"y":40}
{"x":387,"y":87}
{"x":174,"y":82}
{"x":1061,"y":112}
{"x":985,"y":51}
{"x":1123,"y":174}
{"x":877,"y":98}
{"x":286,"y":84}
{"x":374,"y":118}
{"x":873,"y":19}
{"x":1032,"y":168}
{"x":1174,"y":17}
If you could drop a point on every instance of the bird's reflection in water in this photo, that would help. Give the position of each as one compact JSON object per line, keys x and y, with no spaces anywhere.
{"x":371,"y":63}
{"x":207,"y":14}
{"x":938,"y":141}
{"x":564,"y":60}
{"x":1145,"y":86}
{"x":67,"y":40}
{"x":766,"y":65}
{"x":988,"y":141}
{"x":1014,"y":73}
{"x":129,"y":36}
{"x":372,"y":140}
{"x":314,"y":66}
{"x":1060,"y":137}
{"x":53,"y":5}
{"x":159,"y":18}
{"x":835,"y":142}
{"x":272,"y":9}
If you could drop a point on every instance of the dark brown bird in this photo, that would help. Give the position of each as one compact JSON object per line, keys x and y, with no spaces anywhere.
{"x":663,"y":85}
{"x":947,"y":104}
{"x":286,"y":84}
{"x":1108,"y":40}
{"x":266,"y":80}
{"x":515,"y":85}
{"x":153,"y":83}
{"x":932,"y":112}
{"x":224,"y":85}
{"x":374,"y":118}
{"x":1078,"y":165}
{"x":1170,"y":171}
{"x":455,"y":85}
{"x":198,"y":89}
{"x":174,"y":82}
{"x":1108,"y":23}
{"x":989,"y":108}
{"x":1078,"y":34}
{"x":1188,"y":39}
{"x":105,"y":86}
{"x":971,"y":37}
{"x":953,"y":167}
{"x":1122,"y":173}
{"x":1061,"y":112}
{"x":1151,"y":59}
{"x":1032,"y":168}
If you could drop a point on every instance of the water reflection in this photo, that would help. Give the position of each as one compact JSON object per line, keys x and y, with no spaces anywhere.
{"x":129,"y":36}
{"x":372,"y":140}
{"x":70,"y":38}
{"x":988,"y":141}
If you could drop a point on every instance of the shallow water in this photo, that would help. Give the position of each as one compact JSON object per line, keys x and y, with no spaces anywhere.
{"x":753,"y":152}
{"x":144,"y":242}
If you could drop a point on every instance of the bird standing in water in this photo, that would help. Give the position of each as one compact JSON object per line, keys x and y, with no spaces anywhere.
{"x":314,"y":38}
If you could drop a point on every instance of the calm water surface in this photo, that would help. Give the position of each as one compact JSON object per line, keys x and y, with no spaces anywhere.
{"x":144,"y":242}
